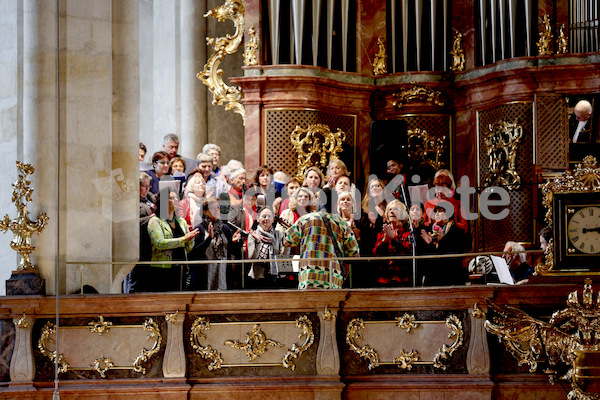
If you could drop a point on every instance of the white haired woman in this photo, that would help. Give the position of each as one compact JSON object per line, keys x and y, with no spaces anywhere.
{"x":190,"y":208}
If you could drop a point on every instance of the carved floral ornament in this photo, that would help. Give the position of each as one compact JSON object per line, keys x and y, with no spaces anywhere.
{"x":255,"y":345}
{"x":425,"y":147}
{"x":103,"y":363}
{"x":407,"y":358}
{"x":22,"y":227}
{"x":211,"y":75}
{"x":316,"y":145}
{"x":546,"y":37}
{"x":417,"y":93}
{"x":502,"y":142}
{"x":380,"y":59}
{"x":568,"y":345}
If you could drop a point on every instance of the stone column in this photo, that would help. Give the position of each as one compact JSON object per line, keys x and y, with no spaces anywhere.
{"x":125,"y":128}
{"x":194,"y":132}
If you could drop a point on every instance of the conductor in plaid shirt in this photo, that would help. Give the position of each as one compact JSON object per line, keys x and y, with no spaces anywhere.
{"x":311,"y":234}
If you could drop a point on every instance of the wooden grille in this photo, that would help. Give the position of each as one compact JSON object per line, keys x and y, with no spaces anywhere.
{"x":279,"y":153}
{"x":518,"y":225}
{"x":552,"y":132}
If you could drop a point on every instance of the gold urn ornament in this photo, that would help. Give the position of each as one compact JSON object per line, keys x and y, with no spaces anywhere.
{"x":22,"y":227}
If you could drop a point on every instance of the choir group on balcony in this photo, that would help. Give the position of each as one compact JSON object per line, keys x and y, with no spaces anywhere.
{"x":216,"y":215}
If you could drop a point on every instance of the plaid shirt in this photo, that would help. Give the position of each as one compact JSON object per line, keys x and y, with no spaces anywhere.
{"x":310,"y":233}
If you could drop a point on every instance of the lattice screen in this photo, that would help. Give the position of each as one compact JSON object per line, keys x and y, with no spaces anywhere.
{"x":279,"y":125}
{"x":552,"y":131}
{"x":518,"y":225}
{"x":438,"y":126}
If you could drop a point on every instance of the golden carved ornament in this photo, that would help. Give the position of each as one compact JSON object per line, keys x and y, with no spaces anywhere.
{"x":256,"y":343}
{"x":562,"y":41}
{"x":211,"y":75}
{"x":172,"y":318}
{"x":380,"y":59}
{"x":100,"y":327}
{"x":502,"y":144}
{"x":154,"y":333}
{"x":22,"y":227}
{"x":102,"y":364}
{"x":458,"y":55}
{"x":328,"y":315}
{"x":201,"y":325}
{"x":406,"y":359}
{"x":316,"y":145}
{"x":366,"y":351}
{"x":563,"y":343}
{"x":456,"y":332}
{"x":22,"y":322}
{"x":48,"y":330}
{"x":251,"y":48}
{"x":585,"y":178}
{"x":407,"y":321}
{"x":546,"y":37}
{"x":477,"y":312}
{"x":426,"y":147}
{"x":417,"y":93}
{"x":295,"y":351}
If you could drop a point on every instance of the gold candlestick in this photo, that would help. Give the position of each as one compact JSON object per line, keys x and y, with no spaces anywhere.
{"x":22,"y":227}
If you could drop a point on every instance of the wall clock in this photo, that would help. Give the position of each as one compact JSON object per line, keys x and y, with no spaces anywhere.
{"x":572,"y":203}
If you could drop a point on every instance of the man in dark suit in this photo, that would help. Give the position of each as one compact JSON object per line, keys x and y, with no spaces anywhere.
{"x":580,"y":123}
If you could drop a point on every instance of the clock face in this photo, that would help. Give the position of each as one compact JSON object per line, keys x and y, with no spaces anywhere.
{"x":583,"y":230}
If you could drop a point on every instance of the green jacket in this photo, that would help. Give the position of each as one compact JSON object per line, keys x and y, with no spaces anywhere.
{"x":163,"y":242}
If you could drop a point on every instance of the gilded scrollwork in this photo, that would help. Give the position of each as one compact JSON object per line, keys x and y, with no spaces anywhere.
{"x":211,"y":75}
{"x":562,"y":41}
{"x":426,"y":147}
{"x":477,"y":312}
{"x":366,"y":351}
{"x":407,"y":359}
{"x":502,"y":143}
{"x":101,"y":365}
{"x":154,"y":333}
{"x":407,"y":321}
{"x":251,"y":48}
{"x":380,"y":59}
{"x":104,"y":363}
{"x":546,"y":37}
{"x":172,"y":318}
{"x":45,"y":338}
{"x":316,"y":145}
{"x":585,"y":178}
{"x":100,"y":327}
{"x":458,"y":55}
{"x":199,"y":326}
{"x":417,"y":93}
{"x":22,"y":322}
{"x":562,"y":343}
{"x":456,"y":332}
{"x":295,"y":351}
{"x":328,"y":315}
{"x":256,"y":343}
{"x":22,"y":227}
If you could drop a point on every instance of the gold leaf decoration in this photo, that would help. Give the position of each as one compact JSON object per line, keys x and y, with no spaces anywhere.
{"x":456,"y":332}
{"x":100,"y":327}
{"x":251,"y":48}
{"x":316,"y":145}
{"x":407,"y":359}
{"x":256,"y":343}
{"x":154,"y":333}
{"x":199,"y":326}
{"x":309,"y":337}
{"x":211,"y":75}
{"x":570,"y":339}
{"x":407,"y":321}
{"x":502,"y":144}
{"x":417,"y":93}
{"x":366,"y":351}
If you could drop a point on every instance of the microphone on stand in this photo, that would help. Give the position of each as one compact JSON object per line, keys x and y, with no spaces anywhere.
{"x":413,"y":239}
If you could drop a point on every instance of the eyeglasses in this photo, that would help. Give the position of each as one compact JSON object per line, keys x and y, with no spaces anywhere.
{"x":162,"y":162}
{"x":145,"y":186}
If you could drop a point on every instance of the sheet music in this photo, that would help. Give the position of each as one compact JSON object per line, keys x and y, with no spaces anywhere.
{"x":502,"y":270}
